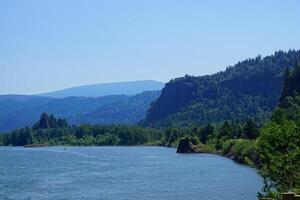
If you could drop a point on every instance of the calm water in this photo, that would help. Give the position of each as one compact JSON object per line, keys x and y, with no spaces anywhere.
{"x":122,"y":173}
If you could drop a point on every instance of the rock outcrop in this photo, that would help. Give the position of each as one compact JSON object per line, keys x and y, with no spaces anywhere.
{"x":186,"y":146}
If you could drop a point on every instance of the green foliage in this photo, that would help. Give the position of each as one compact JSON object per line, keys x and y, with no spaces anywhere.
{"x":241,"y":150}
{"x":225,"y":130}
{"x":279,"y":152}
{"x":172,"y":136}
{"x":291,"y":83}
{"x":107,"y":139}
{"x":250,"y":129}
{"x":195,"y":140}
{"x":292,"y":108}
{"x":58,"y":132}
{"x":6,"y":139}
{"x":279,"y":144}
{"x":244,"y":151}
{"x":21,"y":137}
{"x":227,"y":146}
{"x":279,"y":115}
{"x":207,"y":149}
{"x":205,"y":132}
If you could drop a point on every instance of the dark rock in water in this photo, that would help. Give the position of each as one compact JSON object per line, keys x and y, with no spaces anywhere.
{"x":186,"y":146}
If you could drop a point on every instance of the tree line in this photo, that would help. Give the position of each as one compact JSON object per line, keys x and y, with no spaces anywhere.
{"x":50,"y":130}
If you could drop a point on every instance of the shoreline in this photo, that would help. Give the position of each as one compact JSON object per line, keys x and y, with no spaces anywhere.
{"x":202,"y":152}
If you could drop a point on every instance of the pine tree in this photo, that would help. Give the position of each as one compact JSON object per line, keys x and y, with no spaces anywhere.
{"x":225,"y":130}
{"x":250,"y":129}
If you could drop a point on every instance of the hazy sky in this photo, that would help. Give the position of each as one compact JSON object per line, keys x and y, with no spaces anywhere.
{"x":53,"y":44}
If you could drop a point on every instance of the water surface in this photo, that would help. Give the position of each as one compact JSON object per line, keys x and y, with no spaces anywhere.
{"x":122,"y":173}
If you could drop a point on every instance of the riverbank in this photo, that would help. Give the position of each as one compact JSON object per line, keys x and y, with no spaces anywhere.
{"x":239,"y":150}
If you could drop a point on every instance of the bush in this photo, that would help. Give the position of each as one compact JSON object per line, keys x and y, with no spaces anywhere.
{"x":195,"y":140}
{"x":241,"y":150}
{"x":279,"y":152}
{"x":227,"y":145}
{"x":207,"y":149}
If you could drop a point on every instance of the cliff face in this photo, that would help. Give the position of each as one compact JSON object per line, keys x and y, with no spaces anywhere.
{"x":246,"y":90}
{"x":174,"y":96}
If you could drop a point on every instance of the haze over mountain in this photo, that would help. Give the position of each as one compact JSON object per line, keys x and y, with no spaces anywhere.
{"x":17,"y":111}
{"x":105,"y":89}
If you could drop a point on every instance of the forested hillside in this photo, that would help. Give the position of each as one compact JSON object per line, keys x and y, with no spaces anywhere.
{"x":249,"y":89}
{"x":127,"y":111}
{"x":18,"y":111}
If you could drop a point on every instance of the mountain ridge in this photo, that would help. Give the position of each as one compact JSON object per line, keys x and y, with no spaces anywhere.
{"x":105,"y":89}
{"x":18,"y":111}
{"x":249,"y":89}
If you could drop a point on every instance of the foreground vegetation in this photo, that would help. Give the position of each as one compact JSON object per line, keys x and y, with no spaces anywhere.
{"x":278,"y":147}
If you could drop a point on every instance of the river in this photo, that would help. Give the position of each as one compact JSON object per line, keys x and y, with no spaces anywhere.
{"x":122,"y":173}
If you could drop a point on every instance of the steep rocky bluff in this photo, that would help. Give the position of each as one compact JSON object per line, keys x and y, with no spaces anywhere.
{"x":249,"y":89}
{"x":175,"y":94}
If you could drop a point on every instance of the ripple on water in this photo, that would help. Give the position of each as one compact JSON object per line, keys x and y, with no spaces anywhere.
{"x":122,"y":173}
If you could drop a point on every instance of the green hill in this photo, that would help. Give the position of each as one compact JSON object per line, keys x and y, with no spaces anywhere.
{"x":249,"y":89}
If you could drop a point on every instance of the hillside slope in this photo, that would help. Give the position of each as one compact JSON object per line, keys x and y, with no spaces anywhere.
{"x":17,"y":111}
{"x":246,"y":90}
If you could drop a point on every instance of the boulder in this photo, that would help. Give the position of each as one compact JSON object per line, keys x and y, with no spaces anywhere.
{"x":186,"y":146}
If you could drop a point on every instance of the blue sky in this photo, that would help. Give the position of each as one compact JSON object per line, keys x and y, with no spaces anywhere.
{"x":54,"y":44}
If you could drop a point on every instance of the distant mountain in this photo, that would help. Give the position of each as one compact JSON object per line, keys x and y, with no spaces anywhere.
{"x":105,"y":89}
{"x":249,"y":89}
{"x":18,"y":111}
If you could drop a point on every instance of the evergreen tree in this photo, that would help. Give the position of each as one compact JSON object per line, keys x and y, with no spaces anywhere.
{"x":291,"y":86}
{"x":250,"y":129}
{"x":205,"y":132}
{"x":225,"y":130}
{"x":286,"y":85}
